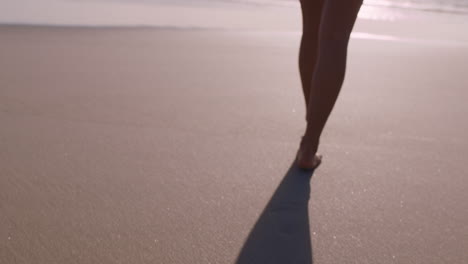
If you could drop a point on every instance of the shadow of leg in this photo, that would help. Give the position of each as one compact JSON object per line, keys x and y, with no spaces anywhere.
{"x":281,"y":234}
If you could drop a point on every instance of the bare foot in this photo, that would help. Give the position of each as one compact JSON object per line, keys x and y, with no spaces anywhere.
{"x":307,"y":161}
{"x":307,"y":158}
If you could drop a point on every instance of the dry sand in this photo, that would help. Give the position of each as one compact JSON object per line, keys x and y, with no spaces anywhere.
{"x":164,"y":146}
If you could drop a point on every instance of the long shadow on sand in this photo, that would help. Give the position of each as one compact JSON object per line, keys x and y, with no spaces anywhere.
{"x":281,"y":234}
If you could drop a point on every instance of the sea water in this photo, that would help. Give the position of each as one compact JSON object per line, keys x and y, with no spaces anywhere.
{"x":445,"y":6}
{"x":258,"y":14}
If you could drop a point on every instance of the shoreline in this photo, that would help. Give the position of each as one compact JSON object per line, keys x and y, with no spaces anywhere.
{"x":354,"y":35}
{"x":225,"y":16}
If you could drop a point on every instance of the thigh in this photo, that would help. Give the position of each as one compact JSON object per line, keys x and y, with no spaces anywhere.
{"x":338,"y":18}
{"x":311,"y":14}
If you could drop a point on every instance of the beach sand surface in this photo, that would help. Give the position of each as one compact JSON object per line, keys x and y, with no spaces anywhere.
{"x":149,"y":145}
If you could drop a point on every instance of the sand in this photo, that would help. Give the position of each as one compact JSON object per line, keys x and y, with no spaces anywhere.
{"x":165,"y":146}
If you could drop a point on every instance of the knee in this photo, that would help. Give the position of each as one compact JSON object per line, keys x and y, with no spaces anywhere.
{"x":336,"y":36}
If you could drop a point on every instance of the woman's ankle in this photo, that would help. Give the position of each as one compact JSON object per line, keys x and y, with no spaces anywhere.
{"x":310,"y":142}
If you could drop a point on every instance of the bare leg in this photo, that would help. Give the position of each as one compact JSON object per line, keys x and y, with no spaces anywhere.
{"x":308,"y":52}
{"x":336,"y":24}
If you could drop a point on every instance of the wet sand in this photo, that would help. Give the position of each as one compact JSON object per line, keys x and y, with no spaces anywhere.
{"x":165,"y":146}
